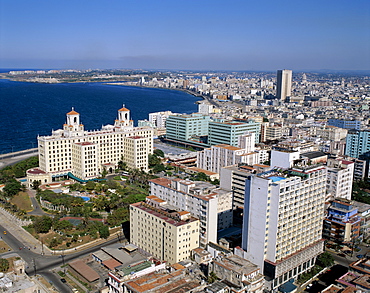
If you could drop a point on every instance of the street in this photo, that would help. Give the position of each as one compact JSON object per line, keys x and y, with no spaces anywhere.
{"x":43,"y":264}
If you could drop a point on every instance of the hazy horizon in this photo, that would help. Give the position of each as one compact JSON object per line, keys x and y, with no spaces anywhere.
{"x":192,"y":35}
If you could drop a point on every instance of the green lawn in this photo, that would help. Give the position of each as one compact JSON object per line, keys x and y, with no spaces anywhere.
{"x":22,"y":201}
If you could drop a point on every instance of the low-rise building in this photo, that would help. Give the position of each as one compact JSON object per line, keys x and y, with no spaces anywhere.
{"x":162,"y":281}
{"x":240,"y":274}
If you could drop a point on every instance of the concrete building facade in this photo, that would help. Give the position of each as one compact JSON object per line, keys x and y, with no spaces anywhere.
{"x":340,"y":178}
{"x":212,"y":205}
{"x":282,"y":224}
{"x":187,"y":127}
{"x":342,"y":223}
{"x":357,"y":143}
{"x":283,"y":84}
{"x":85,"y":153}
{"x":228,"y":132}
{"x":163,"y":231}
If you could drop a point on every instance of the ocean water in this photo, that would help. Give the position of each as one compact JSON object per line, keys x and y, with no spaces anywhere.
{"x":31,"y":109}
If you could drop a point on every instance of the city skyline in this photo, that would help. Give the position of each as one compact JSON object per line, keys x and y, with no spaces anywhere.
{"x":206,"y":35}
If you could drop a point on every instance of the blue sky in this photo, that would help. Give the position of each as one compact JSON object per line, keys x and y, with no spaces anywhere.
{"x":185,"y":34}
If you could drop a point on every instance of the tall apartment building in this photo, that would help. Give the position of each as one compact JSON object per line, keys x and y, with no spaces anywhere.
{"x":185,"y":128}
{"x":345,"y":123}
{"x":222,"y":155}
{"x":228,"y":132}
{"x":283,"y":84}
{"x":86,"y":153}
{"x":357,"y":143}
{"x":161,"y":230}
{"x":282,"y":224}
{"x":212,"y":205}
{"x":340,"y":178}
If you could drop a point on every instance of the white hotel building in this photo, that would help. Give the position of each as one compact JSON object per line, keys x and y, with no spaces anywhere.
{"x":282,"y":224}
{"x":86,"y":153}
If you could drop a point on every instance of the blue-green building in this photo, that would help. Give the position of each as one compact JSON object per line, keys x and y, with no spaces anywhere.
{"x":227,"y":132}
{"x":357,"y":143}
{"x":187,"y":127}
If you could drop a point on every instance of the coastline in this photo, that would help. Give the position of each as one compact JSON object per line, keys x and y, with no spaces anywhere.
{"x":118,"y":83}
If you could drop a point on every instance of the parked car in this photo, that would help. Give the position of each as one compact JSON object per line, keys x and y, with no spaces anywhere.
{"x":360,"y":256}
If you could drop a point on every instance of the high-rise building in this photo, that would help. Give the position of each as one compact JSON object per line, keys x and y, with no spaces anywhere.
{"x":233,"y":178}
{"x":340,"y":178}
{"x":161,"y":230}
{"x":357,"y":143}
{"x":284,"y":84}
{"x":282,"y":223}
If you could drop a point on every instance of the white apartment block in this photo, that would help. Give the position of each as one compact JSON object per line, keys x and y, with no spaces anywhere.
{"x":159,"y":229}
{"x":283,"y":158}
{"x":340,"y":178}
{"x":85,"y":153}
{"x":205,"y":108}
{"x":282,"y":224}
{"x":159,"y":118}
{"x":222,"y":155}
{"x":212,"y":205}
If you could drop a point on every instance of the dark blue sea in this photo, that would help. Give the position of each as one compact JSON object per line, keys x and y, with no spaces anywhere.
{"x":31,"y":109}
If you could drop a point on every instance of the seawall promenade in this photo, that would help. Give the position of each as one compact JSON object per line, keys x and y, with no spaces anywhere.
{"x":15,"y":157}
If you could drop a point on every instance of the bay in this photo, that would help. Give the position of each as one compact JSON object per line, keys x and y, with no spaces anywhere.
{"x":31,"y":109}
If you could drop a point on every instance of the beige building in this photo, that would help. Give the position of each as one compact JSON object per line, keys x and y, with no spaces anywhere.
{"x":137,"y":149}
{"x":332,"y":133}
{"x":212,"y":205}
{"x":36,"y":174}
{"x":163,"y":231}
{"x":86,"y":153}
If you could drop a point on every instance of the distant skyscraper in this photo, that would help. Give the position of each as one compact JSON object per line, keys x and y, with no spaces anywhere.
{"x":284,"y":84}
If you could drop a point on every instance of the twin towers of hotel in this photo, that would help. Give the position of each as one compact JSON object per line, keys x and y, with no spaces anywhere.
{"x":85,"y":154}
